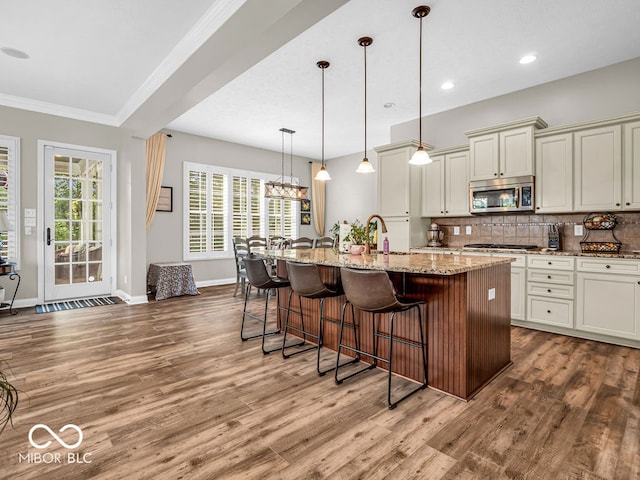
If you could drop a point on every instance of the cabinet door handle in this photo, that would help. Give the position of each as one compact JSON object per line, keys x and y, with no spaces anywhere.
{"x":548,"y":311}
{"x":495,"y":174}
{"x":537,"y":208}
{"x":441,"y":211}
{"x":501,"y":173}
{"x":549,"y":290}
{"x":607,"y":266}
{"x":549,"y":277}
{"x":549,"y":263}
{"x":617,"y":204}
{"x":627,"y":204}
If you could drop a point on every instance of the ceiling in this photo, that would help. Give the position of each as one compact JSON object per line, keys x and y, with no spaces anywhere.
{"x":239,"y":70}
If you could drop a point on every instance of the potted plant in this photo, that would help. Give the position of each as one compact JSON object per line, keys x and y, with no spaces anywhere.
{"x":357,"y":236}
{"x":8,"y":401}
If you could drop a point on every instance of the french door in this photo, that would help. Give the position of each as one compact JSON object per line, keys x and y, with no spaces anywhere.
{"x":77,"y":223}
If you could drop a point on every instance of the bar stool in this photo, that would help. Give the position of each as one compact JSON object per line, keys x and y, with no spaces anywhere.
{"x":306,"y":283}
{"x":372,"y":291}
{"x":259,"y":277}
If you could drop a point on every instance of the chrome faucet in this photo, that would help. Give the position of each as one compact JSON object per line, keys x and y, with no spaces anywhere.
{"x":367,"y":245}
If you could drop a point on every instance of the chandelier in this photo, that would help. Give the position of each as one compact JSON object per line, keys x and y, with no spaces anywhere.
{"x":279,"y":189}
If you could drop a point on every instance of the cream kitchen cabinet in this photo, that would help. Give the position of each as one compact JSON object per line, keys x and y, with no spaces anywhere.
{"x":399,"y":183}
{"x":445,"y":184}
{"x":554,"y":173}
{"x":399,"y":195}
{"x":550,"y":290}
{"x":631,"y":166}
{"x":503,"y":151}
{"x":598,"y":169}
{"x":518,"y":286}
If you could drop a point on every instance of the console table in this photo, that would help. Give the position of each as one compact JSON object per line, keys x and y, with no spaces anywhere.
{"x":9,"y":268}
{"x":171,"y":280}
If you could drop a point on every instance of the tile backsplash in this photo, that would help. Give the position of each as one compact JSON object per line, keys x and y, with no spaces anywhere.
{"x":531,"y":229}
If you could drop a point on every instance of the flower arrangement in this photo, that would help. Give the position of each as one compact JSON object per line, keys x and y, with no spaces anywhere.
{"x":357,"y":236}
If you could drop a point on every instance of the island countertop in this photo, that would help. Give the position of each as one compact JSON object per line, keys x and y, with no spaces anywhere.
{"x":420,"y":263}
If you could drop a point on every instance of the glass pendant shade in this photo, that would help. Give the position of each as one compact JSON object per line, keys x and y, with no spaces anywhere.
{"x":420,"y":157}
{"x":280,"y":189}
{"x":322,"y":175}
{"x":365,"y":166}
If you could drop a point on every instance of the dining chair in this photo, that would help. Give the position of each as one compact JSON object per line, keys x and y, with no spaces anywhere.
{"x":324,"y":242}
{"x":302,"y":242}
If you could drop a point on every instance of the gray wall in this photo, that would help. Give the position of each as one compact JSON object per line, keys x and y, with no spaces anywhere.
{"x":31,"y":127}
{"x":164,"y":238}
{"x":593,"y":95}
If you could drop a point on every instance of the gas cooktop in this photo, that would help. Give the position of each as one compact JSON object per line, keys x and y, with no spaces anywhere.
{"x":504,"y":246}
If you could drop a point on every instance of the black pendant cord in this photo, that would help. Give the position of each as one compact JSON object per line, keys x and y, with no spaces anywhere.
{"x":323,"y":116}
{"x":365,"y":101}
{"x":420,"y":89}
{"x":282,"y":150}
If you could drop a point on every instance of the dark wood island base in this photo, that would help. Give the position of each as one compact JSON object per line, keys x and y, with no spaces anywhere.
{"x":468,"y":321}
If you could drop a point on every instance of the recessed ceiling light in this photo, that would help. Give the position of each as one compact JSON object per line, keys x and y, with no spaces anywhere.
{"x":14,"y":52}
{"x":448,"y":85}
{"x":389,"y":105}
{"x":528,"y":59}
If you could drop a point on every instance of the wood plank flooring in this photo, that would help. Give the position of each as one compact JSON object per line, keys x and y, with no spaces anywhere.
{"x":168,"y":391}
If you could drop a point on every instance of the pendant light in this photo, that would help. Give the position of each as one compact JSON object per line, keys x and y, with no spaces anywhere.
{"x":322,"y":175}
{"x":281,"y":189}
{"x":365,"y":166}
{"x":420,"y":157}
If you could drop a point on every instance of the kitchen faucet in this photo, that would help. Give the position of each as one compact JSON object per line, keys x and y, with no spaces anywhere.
{"x":367,"y":245}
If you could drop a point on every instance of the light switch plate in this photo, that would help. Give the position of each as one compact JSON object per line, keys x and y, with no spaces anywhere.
{"x":577,"y":230}
{"x":492,"y":293}
{"x":29,"y":212}
{"x":456,"y":230}
{"x":468,"y":229}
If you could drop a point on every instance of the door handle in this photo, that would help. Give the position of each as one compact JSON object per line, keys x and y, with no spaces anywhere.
{"x":48,"y":236}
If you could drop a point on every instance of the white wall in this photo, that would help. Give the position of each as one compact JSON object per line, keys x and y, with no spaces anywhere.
{"x":164,"y":238}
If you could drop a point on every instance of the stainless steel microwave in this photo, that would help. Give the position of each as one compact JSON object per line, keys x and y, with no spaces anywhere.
{"x":513,"y":194}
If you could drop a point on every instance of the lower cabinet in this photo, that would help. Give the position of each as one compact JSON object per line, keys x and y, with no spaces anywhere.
{"x":609,"y":304}
{"x":550,"y":287}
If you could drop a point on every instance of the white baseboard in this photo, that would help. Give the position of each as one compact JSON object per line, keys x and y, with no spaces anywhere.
{"x":128,"y":299}
{"x":213,"y":283}
{"x":25,"y":302}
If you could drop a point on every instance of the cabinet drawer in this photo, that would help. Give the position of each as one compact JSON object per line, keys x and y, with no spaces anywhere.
{"x":551,"y":262}
{"x":521,"y":260}
{"x":549,"y":276}
{"x":551,"y":290}
{"x":609,"y":265}
{"x":550,"y":311}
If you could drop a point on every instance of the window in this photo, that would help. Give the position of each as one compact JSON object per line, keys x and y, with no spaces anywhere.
{"x":9,"y":195}
{"x":222,"y":203}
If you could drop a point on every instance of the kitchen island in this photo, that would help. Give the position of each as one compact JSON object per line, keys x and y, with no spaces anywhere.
{"x":467,"y":313}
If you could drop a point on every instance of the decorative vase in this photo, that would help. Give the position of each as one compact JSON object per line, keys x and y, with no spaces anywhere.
{"x":356,"y":249}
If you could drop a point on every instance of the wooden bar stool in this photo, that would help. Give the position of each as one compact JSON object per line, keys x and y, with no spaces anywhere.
{"x":372,"y":291}
{"x":306,"y":283}
{"x":259,"y":277}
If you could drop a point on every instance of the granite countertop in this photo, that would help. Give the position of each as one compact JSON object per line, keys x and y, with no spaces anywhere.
{"x":421,"y":263}
{"x":539,"y":251}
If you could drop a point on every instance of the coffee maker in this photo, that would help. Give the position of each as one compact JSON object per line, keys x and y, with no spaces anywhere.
{"x":434,"y":236}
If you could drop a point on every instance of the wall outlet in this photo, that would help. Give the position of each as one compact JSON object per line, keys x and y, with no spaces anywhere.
{"x":492,"y":293}
{"x":456,"y":230}
{"x":468,"y":229}
{"x":577,"y":230}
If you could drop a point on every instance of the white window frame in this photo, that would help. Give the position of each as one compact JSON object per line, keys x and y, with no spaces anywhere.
{"x":12,"y":144}
{"x":229,"y":173}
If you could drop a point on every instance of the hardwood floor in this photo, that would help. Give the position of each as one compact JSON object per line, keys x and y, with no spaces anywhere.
{"x":168,"y":391}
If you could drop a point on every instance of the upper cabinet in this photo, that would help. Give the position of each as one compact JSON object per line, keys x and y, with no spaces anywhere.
{"x":598,"y":169}
{"x":554,"y":173}
{"x":504,"y":150}
{"x":445,"y":183}
{"x":399,"y":183}
{"x":631,"y":166}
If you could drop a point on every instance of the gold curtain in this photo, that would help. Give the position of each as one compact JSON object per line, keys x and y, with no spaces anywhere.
{"x":156,"y":150}
{"x":317,"y":199}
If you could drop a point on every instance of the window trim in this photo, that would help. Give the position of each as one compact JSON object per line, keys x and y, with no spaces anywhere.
{"x":229,"y":173}
{"x":13,"y":146}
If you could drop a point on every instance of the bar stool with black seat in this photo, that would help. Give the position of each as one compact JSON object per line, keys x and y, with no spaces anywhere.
{"x":372,"y":291}
{"x":259,"y":278}
{"x":240,"y":250}
{"x":306,"y":283}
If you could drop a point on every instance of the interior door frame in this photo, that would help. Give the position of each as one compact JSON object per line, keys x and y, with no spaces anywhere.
{"x":42,"y":145}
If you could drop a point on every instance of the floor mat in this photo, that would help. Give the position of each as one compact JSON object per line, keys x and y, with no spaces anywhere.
{"x":71,"y":304}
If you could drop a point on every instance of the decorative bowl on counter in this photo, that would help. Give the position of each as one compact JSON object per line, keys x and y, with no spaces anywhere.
{"x":356,"y":249}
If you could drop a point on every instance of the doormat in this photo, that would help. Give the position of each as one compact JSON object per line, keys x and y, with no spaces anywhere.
{"x":72,"y":304}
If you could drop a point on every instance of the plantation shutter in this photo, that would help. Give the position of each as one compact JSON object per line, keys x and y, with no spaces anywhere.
{"x":9,"y":153}
{"x":197,"y":212}
{"x":218,"y":212}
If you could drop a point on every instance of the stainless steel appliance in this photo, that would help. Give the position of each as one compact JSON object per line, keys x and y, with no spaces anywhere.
{"x":434,"y":236}
{"x":514,"y":194}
